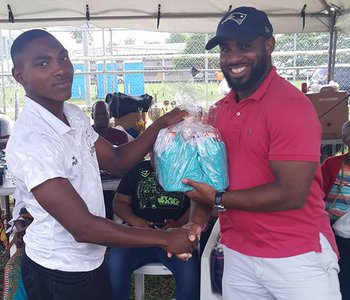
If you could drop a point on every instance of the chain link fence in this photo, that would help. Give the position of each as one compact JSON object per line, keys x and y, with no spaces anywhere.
{"x":108,"y":61}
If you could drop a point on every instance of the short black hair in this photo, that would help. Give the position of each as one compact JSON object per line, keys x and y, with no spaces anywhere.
{"x":24,"y":39}
{"x":94,"y":105}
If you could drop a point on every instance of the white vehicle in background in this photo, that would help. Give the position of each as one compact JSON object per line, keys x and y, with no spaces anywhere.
{"x":341,"y":76}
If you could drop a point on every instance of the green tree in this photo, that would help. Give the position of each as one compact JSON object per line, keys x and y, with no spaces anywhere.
{"x":308,"y":41}
{"x":176,"y":37}
{"x":195,"y":44}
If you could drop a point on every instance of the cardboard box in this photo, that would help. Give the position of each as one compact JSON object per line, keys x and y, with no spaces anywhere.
{"x":332,"y":110}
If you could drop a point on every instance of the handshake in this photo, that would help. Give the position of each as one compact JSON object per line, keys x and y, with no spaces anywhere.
{"x":182,"y":241}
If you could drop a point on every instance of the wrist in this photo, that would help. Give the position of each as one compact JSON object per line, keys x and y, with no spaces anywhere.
{"x":164,"y":241}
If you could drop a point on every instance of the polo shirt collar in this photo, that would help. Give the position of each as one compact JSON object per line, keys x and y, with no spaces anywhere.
{"x":40,"y":111}
{"x":260,"y":91}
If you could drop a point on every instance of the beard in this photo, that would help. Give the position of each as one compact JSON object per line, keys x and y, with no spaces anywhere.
{"x":256,"y":74}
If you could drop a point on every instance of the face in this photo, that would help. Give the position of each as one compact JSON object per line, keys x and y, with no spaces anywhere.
{"x":245,"y":64}
{"x":45,"y":71}
{"x":100,"y":114}
{"x":346,"y":135}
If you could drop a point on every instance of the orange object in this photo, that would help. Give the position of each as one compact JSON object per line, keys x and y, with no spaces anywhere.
{"x":219,"y":75}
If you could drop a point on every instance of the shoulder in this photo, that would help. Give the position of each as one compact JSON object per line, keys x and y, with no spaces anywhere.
{"x":76,"y":112}
{"x":283,"y":101}
{"x":35,"y":139}
{"x":283,"y":92}
{"x":334,"y":161}
{"x":73,"y":108}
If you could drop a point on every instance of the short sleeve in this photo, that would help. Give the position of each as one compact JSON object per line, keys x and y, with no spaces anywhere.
{"x":36,"y":161}
{"x":294,"y":131}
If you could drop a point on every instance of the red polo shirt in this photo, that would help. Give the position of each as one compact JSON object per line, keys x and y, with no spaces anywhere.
{"x":276,"y":123}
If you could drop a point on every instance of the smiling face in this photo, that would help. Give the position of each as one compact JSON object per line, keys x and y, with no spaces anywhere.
{"x":245,"y":64}
{"x":44,"y":70}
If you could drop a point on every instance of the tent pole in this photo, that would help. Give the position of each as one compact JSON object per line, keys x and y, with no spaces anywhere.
{"x":334,"y":47}
{"x":87,"y":79}
{"x":331,"y":56}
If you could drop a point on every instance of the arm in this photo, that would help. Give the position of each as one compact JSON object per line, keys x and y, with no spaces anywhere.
{"x":170,"y":223}
{"x":289,"y":190}
{"x":122,"y":208}
{"x":120,"y":159}
{"x":330,"y":169}
{"x":58,"y":197}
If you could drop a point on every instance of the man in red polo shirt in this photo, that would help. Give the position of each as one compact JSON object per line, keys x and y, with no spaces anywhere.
{"x":278,"y":243}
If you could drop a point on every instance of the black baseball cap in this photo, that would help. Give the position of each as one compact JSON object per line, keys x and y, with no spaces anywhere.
{"x":242,"y":23}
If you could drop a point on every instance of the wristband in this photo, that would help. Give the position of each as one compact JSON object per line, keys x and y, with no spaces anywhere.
{"x":218,"y":201}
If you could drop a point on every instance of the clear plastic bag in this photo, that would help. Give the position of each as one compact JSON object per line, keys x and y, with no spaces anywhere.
{"x":192,"y":150}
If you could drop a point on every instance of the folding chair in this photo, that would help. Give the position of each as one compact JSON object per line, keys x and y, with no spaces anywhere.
{"x":206,"y":289}
{"x":149,"y":269}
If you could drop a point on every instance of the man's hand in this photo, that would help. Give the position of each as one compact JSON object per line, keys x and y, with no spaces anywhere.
{"x":194,"y":233}
{"x":173,"y":117}
{"x":178,"y":242}
{"x":170,"y":223}
{"x":202,"y":193}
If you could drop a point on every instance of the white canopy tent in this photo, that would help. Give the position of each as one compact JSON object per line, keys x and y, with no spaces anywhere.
{"x":172,"y":15}
{"x":199,"y":16}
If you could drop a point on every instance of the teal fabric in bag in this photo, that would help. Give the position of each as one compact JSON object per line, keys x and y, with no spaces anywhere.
{"x":196,"y":153}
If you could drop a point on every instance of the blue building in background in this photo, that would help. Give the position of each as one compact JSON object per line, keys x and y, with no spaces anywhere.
{"x":78,"y":86}
{"x":111,"y":80}
{"x":134,"y":83}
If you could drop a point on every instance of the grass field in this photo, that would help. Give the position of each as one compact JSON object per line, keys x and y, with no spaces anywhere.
{"x":199,"y":93}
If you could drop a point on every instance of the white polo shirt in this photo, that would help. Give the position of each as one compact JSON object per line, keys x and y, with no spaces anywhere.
{"x":42,"y":147}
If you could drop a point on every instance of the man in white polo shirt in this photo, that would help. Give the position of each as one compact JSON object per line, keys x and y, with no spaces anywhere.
{"x":54,"y":157}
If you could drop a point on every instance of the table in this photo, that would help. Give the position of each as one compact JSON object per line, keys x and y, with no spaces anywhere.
{"x":8,"y":188}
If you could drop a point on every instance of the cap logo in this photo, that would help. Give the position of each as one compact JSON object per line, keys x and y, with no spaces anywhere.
{"x":235,"y":16}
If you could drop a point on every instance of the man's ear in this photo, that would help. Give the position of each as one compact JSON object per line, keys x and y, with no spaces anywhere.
{"x":17,"y":74}
{"x":270,"y":45}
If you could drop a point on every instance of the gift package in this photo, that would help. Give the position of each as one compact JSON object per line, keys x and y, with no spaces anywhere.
{"x":193,"y":150}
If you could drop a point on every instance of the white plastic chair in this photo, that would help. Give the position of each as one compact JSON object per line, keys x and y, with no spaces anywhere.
{"x":149,"y":269}
{"x":206,"y":289}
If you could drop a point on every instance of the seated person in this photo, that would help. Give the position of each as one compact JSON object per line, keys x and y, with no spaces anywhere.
{"x":13,"y":283}
{"x":141,"y":202}
{"x":100,"y":113}
{"x":5,"y":130}
{"x":336,"y":186}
